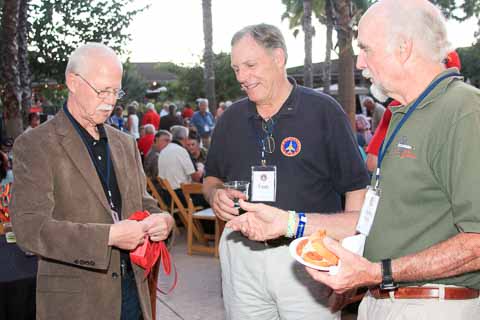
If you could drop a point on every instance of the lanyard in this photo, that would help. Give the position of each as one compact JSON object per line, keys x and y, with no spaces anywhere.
{"x":261,"y":141}
{"x":105,"y":178}
{"x":383,"y":151}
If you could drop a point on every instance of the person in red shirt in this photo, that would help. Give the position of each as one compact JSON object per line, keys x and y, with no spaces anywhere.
{"x":452,"y":61}
{"x":145,"y":142}
{"x":151,"y":116}
{"x":187,"y":112}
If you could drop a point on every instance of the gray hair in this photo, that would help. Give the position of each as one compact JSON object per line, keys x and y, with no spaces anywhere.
{"x":179,"y":132}
{"x":266,"y":35}
{"x":425,"y":24}
{"x":80,"y":59}
{"x":149,"y":128}
{"x":202,"y":101}
{"x":161,"y":133}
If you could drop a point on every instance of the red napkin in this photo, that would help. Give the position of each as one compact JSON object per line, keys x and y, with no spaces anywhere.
{"x":148,"y":253}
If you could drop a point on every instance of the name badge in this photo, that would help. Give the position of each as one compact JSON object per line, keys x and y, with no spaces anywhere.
{"x":264,"y":183}
{"x":367,"y":213}
{"x":206,"y":128}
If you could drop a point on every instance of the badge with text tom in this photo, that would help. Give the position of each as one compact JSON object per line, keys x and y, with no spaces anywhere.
{"x":264,"y":183}
{"x":291,"y":146}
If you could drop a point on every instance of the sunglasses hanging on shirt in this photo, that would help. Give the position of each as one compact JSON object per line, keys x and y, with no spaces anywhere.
{"x":268,"y":141}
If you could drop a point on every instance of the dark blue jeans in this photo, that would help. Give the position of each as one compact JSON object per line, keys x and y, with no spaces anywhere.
{"x":130,"y":303}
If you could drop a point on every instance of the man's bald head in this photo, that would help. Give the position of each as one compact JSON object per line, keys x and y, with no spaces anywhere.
{"x":86,"y":57}
{"x":416,"y":20}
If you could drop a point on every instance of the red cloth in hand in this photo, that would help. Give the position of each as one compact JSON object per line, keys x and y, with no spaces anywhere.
{"x":148,"y":253}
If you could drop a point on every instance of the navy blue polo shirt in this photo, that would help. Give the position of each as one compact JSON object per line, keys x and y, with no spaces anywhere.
{"x":316,"y":153}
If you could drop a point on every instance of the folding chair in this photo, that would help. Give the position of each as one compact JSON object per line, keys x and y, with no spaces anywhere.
{"x":194,"y":217}
{"x":161,"y":203}
{"x":180,"y":209}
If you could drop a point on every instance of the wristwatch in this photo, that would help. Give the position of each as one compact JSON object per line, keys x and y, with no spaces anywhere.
{"x":387,"y":278}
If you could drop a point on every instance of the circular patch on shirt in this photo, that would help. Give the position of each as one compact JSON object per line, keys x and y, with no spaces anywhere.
{"x":290,"y":146}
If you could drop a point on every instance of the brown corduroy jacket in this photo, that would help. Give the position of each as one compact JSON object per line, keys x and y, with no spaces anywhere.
{"x":60,"y":212}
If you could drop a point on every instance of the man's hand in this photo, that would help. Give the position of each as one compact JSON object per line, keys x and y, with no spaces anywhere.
{"x":260,"y":222}
{"x":158,"y":226}
{"x":223,"y":205}
{"x":127,"y":234}
{"x":354,"y":271}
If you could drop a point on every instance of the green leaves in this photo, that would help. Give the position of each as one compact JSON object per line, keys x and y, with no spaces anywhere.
{"x":59,"y":26}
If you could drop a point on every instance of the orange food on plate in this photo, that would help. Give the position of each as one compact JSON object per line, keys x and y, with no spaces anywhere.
{"x":313,"y":251}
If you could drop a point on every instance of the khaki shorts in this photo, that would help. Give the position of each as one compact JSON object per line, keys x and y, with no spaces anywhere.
{"x":266,"y":283}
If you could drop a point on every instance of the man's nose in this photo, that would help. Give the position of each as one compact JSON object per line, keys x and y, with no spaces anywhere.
{"x":361,"y":64}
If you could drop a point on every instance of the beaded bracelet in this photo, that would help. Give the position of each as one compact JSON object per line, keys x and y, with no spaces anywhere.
{"x":291,"y":224}
{"x":302,"y":221}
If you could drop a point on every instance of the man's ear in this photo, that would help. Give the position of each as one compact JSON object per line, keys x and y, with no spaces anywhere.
{"x":71,"y":82}
{"x":405,"y":49}
{"x":279,"y":56}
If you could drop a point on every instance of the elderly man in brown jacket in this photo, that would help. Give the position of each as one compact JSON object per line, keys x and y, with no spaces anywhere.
{"x":76,"y":183}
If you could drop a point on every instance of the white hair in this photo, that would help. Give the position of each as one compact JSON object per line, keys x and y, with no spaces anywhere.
{"x":425,"y":24}
{"x":202,"y":101}
{"x":149,"y":128}
{"x":150,"y":106}
{"x":81,"y":58}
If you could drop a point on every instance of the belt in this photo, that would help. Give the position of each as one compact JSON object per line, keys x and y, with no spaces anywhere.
{"x":451,"y":293}
{"x":282,"y":241}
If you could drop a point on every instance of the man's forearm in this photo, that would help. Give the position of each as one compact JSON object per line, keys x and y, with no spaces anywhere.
{"x":457,"y":255}
{"x":338,"y":225}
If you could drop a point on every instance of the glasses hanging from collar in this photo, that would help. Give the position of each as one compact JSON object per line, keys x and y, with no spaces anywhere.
{"x":268,"y":141}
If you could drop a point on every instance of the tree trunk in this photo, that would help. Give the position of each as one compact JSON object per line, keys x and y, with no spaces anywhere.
{"x":12,"y":95}
{"x":23,"y":66}
{"x":346,"y":81}
{"x":209,"y":71}
{"x":327,"y":65}
{"x":308,"y":31}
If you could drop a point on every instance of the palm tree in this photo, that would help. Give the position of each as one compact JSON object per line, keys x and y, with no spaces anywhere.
{"x":209,"y":72}
{"x":346,"y":15}
{"x":12,"y":93}
{"x":308,"y":31}
{"x":294,"y":11}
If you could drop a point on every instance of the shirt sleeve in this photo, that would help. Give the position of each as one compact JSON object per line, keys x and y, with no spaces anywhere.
{"x":214,"y":166}
{"x":186,"y":162}
{"x":349,"y":172}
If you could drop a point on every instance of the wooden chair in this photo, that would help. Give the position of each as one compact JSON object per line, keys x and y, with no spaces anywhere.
{"x":161,"y":203}
{"x":155,"y":194}
{"x":177,"y":206}
{"x":194,"y":217}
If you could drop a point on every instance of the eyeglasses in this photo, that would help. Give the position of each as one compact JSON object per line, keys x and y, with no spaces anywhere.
{"x":104,"y":94}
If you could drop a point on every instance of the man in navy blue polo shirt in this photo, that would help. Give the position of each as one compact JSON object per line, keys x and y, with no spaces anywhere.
{"x":296,"y":147}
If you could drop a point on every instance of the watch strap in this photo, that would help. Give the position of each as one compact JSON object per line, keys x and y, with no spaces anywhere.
{"x":387,"y":277}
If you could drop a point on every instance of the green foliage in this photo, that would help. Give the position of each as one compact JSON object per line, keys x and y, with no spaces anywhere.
{"x":59,"y":26}
{"x":226,"y":85}
{"x":133,"y":84}
{"x":470,"y":67}
{"x":190,"y":82}
{"x":459,"y":10}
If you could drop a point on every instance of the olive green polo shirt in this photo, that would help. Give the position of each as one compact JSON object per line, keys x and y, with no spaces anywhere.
{"x":430,"y":177}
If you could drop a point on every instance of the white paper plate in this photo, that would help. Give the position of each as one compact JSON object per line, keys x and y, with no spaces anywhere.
{"x":293,"y":252}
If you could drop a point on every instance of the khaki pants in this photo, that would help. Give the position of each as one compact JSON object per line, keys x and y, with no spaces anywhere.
{"x":418,"y":309}
{"x":266,"y":283}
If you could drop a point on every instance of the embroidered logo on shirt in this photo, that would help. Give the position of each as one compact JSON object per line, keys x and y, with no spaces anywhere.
{"x":404,"y":150}
{"x":290,"y":146}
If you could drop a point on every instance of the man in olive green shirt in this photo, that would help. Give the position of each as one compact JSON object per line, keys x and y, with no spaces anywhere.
{"x":427,"y":222}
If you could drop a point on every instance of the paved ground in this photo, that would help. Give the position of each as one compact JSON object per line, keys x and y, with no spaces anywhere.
{"x":198,"y":292}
